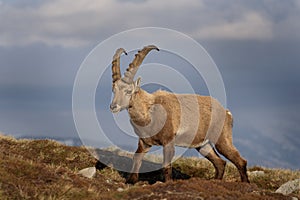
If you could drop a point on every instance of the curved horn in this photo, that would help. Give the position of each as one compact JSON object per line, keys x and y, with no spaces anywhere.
{"x":116,"y":72}
{"x":133,"y":67}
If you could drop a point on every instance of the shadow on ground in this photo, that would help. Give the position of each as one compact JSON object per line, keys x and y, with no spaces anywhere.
{"x":149,"y":171}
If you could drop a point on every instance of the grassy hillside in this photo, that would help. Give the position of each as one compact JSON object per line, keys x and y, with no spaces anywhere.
{"x":45,"y":169}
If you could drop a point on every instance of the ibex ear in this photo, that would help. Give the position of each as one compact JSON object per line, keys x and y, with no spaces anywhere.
{"x":137,"y":84}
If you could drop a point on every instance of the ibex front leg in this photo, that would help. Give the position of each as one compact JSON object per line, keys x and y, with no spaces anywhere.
{"x":142,"y":149}
{"x":169,"y":151}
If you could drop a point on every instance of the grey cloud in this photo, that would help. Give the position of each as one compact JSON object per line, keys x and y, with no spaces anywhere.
{"x":79,"y":23}
{"x":39,"y":65}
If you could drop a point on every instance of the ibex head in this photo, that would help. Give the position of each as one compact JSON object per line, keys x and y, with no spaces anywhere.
{"x":124,"y":87}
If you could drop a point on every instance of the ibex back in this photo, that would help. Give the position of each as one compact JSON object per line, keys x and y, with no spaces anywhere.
{"x":168,"y":119}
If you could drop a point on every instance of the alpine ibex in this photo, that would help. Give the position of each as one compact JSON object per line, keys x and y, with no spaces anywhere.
{"x":168,"y":119}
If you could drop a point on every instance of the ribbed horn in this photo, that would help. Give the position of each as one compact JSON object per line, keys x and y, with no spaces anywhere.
{"x":133,"y":67}
{"x":116,"y":72}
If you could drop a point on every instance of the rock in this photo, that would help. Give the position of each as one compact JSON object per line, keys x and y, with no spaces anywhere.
{"x":89,"y":172}
{"x":120,"y":189}
{"x":289,"y":187}
{"x":256,"y":173}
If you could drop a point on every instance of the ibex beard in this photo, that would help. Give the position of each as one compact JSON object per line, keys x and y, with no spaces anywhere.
{"x":169,"y":120}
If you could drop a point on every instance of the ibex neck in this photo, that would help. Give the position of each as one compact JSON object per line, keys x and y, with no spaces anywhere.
{"x":139,"y":106}
{"x":147,"y":97}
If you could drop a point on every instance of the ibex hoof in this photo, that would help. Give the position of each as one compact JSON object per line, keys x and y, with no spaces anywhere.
{"x":132,"y":179}
{"x":168,"y":174}
{"x":167,"y":179}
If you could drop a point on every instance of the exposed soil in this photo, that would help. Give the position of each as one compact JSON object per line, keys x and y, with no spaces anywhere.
{"x":45,"y":169}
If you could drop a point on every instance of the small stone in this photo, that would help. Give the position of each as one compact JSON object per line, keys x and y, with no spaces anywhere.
{"x":89,"y":172}
{"x":158,"y":182}
{"x":120,"y":189}
{"x":289,"y":187}
{"x":256,"y":173}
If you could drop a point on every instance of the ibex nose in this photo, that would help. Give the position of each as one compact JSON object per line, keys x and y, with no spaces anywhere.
{"x":112,"y":106}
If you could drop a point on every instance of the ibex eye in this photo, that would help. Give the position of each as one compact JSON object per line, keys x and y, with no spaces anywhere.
{"x":128,"y":91}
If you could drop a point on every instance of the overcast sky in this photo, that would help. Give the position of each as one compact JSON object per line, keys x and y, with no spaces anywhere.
{"x":255,"y":44}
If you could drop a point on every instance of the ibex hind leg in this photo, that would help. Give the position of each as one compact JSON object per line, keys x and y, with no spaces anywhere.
{"x":218,"y":163}
{"x":231,"y":153}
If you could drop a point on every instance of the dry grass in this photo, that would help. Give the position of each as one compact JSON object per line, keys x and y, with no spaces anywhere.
{"x":45,"y":169}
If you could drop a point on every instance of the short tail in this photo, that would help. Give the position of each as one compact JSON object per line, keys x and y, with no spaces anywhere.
{"x":229,"y":117}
